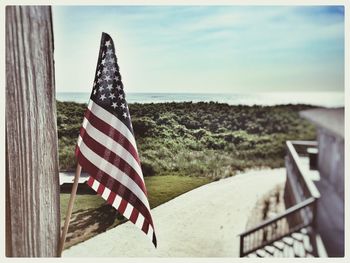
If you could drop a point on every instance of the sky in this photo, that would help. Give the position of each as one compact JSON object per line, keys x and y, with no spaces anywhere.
{"x":205,"y":49}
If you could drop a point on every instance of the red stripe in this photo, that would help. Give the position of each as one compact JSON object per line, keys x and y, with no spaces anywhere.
{"x":122,"y":206}
{"x":111,"y":132}
{"x":115,"y":187}
{"x":100,"y":189}
{"x":111,"y":198}
{"x":114,"y":159}
{"x":145,"y":226}
{"x":154,"y":239}
{"x":134,"y":215}
{"x":91,"y":181}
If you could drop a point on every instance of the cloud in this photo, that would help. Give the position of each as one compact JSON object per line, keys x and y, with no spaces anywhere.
{"x":162,"y":48}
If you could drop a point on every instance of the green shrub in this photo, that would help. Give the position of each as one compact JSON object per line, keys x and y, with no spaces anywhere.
{"x":198,"y":139}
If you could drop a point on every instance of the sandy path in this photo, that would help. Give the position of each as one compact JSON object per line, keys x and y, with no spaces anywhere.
{"x":204,"y":222}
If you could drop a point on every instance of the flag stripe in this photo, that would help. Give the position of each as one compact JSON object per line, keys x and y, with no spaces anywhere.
{"x":128,"y":210}
{"x":137,"y":218}
{"x":139,"y":221}
{"x":116,"y":187}
{"x":106,"y":193}
{"x":112,"y":121}
{"x":101,"y":189}
{"x":114,"y":159}
{"x":110,"y":144}
{"x":122,"y":207}
{"x":112,"y":171}
{"x":134,"y":215}
{"x":145,"y":227}
{"x":111,"y":132}
{"x":90,"y":181}
{"x":111,"y":197}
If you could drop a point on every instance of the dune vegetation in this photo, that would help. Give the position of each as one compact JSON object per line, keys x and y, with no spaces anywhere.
{"x":213,"y":140}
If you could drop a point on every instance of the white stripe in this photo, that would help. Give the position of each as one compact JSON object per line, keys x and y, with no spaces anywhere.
{"x":150,"y":232}
{"x":128,"y":210}
{"x":139,"y":221}
{"x":112,"y":121}
{"x":106,"y":193}
{"x":113,"y":146}
{"x":117,"y":201}
{"x":113,"y":171}
{"x":95,"y":185}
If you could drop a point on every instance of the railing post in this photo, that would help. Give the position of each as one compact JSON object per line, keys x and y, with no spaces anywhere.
{"x":241,"y":242}
{"x":314,"y":214}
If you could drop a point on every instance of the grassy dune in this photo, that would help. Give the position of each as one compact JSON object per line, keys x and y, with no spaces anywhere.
{"x":198,"y":139}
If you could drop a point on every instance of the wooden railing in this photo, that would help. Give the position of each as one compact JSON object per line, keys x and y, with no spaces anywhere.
{"x":295,"y":218}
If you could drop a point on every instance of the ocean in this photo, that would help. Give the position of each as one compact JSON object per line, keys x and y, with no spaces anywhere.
{"x":325,"y":99}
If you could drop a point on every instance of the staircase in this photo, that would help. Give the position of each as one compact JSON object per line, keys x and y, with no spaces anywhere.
{"x":303,"y":243}
{"x":294,"y":232}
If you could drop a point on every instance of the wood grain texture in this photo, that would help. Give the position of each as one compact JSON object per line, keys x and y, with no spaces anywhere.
{"x":32,"y":181}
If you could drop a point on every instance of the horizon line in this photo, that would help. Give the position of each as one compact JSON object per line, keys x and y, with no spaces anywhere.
{"x":240,"y":92}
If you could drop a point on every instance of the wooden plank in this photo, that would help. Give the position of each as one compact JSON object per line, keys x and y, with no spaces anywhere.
{"x":32,"y":181}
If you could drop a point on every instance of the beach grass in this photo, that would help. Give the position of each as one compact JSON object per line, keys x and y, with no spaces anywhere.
{"x":161,"y":189}
{"x":213,"y":140}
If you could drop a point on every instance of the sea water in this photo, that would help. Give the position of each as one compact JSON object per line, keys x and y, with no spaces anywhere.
{"x":325,"y":99}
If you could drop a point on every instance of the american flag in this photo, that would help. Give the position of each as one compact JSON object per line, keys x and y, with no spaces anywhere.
{"x":106,"y":146}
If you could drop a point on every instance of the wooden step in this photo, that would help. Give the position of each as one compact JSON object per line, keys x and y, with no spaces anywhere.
{"x":298,"y":236}
{"x":270,"y":250}
{"x":288,"y":240}
{"x":279,"y":245}
{"x":261,"y":253}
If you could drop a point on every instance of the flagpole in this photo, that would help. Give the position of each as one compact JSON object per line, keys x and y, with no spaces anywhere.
{"x":69,"y":210}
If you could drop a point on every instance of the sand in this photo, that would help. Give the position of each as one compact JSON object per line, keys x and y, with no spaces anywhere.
{"x":204,"y":222}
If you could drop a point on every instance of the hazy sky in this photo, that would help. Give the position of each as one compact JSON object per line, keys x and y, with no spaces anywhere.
{"x":204,"y":48}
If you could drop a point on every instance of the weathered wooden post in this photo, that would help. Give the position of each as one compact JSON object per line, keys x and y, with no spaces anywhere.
{"x":32,"y":182}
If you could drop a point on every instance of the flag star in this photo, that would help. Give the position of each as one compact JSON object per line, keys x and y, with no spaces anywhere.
{"x":123,"y":105}
{"x":95,"y":92}
{"x":108,"y":43}
{"x":103,"y":96}
{"x":114,"y":105}
{"x":112,"y":96}
{"x":113,"y":69}
{"x":120,"y":96}
{"x":99,"y":80}
{"x":110,"y":87}
{"x":101,"y":88}
{"x":111,"y":60}
{"x":103,"y":61}
{"x":98,"y":73}
{"x":107,"y":78}
{"x":103,"y":53}
{"x":105,"y":70}
{"x":109,"y":52}
{"x":116,"y":78}
{"x":118,"y":87}
{"x":125,"y":115}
